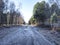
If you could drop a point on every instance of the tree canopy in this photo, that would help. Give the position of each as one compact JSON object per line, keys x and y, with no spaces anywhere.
{"x":39,"y":11}
{"x":42,"y":11}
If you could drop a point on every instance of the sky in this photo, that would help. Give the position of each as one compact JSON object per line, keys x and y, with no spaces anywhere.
{"x":25,"y":7}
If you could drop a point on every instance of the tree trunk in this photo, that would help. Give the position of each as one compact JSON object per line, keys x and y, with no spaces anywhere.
{"x":8,"y":19}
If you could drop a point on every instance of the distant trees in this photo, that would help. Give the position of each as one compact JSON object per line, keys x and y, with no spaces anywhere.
{"x":42,"y":12}
{"x":32,"y":20}
{"x":9,"y":15}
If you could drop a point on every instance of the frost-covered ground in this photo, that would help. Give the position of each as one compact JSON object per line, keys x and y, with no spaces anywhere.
{"x":24,"y":35}
{"x":52,"y":36}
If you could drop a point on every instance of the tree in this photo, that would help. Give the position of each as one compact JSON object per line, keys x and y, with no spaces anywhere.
{"x":39,"y":12}
{"x":12,"y":11}
{"x":1,"y":12}
{"x":55,"y":1}
{"x":54,"y":8}
{"x":47,"y":11}
{"x":53,"y":19}
{"x":32,"y":20}
{"x":6,"y":6}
